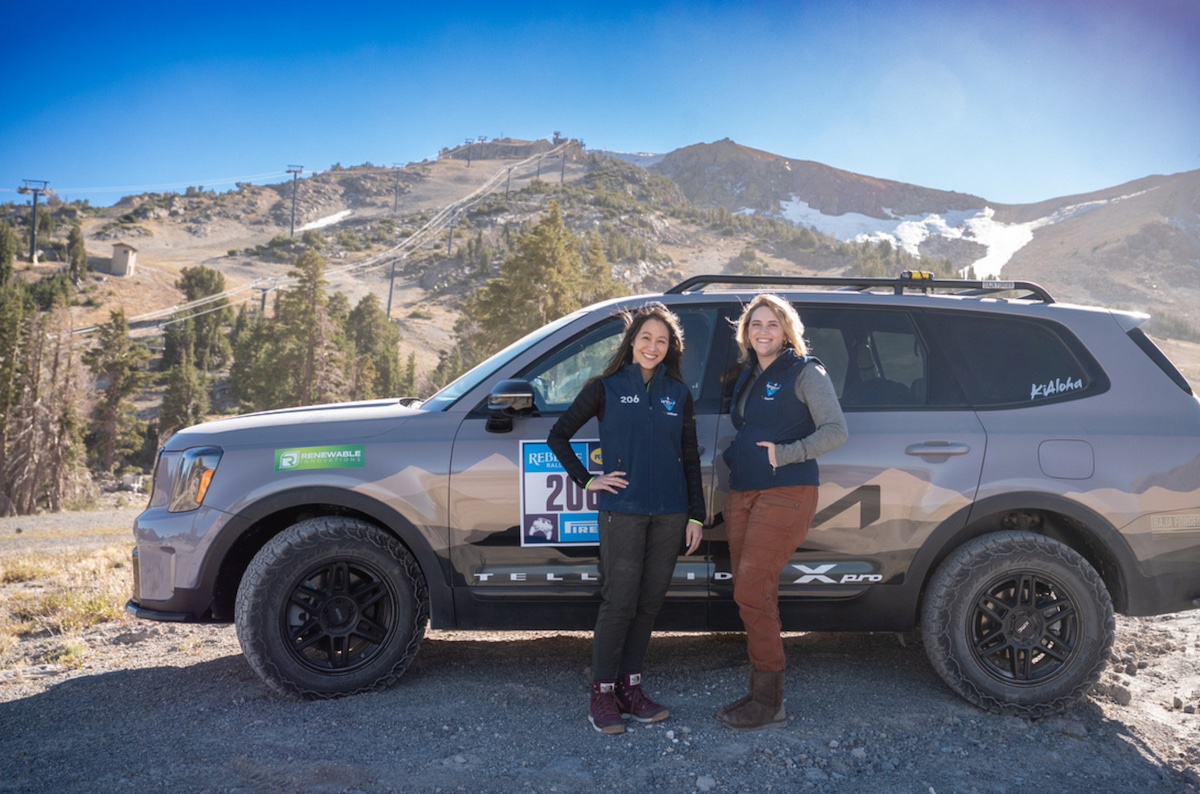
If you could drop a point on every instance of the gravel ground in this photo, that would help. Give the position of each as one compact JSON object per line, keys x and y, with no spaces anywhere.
{"x":176,"y":707}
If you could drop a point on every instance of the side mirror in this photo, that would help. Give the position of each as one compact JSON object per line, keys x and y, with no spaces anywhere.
{"x":513,"y":397}
{"x":507,"y":399}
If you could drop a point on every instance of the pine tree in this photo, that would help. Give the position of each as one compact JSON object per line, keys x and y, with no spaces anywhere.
{"x":408,"y":386}
{"x":539,"y":281}
{"x":15,"y":309}
{"x":185,"y":401}
{"x":205,"y":334}
{"x":374,"y":336}
{"x":260,"y":375}
{"x":310,"y":342}
{"x":597,"y":284}
{"x":41,"y":460}
{"x":77,"y":258}
{"x":8,"y":253}
{"x":117,"y":362}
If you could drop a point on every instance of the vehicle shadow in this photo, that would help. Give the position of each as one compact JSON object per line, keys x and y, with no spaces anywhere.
{"x":868,"y":713}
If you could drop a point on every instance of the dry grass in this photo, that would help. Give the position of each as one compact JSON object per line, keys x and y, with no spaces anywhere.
{"x":57,"y":595}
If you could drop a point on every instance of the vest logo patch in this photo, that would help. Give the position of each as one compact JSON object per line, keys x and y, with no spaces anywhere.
{"x":668,"y":403}
{"x":772,"y":388}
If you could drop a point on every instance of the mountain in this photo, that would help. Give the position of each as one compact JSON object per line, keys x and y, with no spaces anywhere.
{"x":709,"y":207}
{"x":739,"y":178}
{"x":1135,"y":246}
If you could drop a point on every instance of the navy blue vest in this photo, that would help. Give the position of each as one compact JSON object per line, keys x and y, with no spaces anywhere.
{"x":772,"y":412}
{"x":642,"y":435}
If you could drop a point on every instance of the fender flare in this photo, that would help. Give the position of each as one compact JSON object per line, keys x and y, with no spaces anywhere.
{"x":1100,"y":543}
{"x":241,"y":539}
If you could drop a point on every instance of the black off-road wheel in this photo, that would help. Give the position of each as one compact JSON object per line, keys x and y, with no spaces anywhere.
{"x":331,"y":607}
{"x":1018,"y":624}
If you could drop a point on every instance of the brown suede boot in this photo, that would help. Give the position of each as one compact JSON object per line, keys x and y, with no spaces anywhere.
{"x":728,"y":707}
{"x":764,"y":709}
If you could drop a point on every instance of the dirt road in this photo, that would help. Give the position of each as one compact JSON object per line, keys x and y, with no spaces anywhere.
{"x":176,"y":707}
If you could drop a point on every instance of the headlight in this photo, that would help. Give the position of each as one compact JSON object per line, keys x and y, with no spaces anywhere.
{"x":181,"y":479}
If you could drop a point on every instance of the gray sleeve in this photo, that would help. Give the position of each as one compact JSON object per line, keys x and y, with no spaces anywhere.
{"x":816,"y":390}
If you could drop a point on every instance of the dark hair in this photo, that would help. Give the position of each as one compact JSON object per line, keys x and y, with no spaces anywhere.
{"x":634,"y":320}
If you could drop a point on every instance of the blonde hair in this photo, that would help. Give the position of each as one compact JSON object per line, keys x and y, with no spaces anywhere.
{"x":793,"y":328}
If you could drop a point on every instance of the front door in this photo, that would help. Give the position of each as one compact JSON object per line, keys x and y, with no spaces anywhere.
{"x":522,"y":537}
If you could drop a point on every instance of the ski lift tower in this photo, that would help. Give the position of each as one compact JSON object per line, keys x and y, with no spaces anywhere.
{"x":36,"y":187}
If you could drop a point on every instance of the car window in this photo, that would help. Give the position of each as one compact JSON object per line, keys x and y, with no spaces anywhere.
{"x":451,"y":393}
{"x":875,"y":359}
{"x":1007,"y":361}
{"x":558,"y":377}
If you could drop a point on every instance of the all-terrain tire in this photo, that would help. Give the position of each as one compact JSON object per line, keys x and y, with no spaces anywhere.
{"x":331,"y":606}
{"x":1018,"y":624}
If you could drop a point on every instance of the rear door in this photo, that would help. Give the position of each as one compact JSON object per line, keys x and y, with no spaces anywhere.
{"x":912,"y":462}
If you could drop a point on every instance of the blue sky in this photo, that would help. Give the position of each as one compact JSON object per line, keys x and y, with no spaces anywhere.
{"x":1013,"y":100}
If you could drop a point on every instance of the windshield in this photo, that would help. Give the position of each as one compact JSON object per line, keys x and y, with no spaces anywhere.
{"x":451,"y":393}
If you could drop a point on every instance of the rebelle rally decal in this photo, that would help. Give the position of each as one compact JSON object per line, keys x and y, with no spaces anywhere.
{"x":554,"y":510}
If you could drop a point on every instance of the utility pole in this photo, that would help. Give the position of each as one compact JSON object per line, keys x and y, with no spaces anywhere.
{"x":265,"y":290}
{"x":396,"y":197}
{"x":391,"y":288}
{"x":36,"y":187}
{"x":450,"y":239}
{"x":563,"y":170}
{"x":295,"y":171}
{"x":507,"y":179}
{"x":468,"y":152}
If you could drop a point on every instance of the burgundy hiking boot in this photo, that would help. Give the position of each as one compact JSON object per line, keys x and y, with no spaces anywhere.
{"x":633,"y":702}
{"x":604,"y":715}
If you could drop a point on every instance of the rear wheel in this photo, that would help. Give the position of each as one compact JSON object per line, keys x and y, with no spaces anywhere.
{"x":330,"y":607}
{"x":1018,"y":623}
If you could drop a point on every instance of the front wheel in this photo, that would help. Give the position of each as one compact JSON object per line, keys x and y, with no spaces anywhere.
{"x":330,"y":607}
{"x":1018,"y":623}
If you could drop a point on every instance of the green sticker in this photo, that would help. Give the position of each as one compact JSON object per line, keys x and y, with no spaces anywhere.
{"x":349,"y":457}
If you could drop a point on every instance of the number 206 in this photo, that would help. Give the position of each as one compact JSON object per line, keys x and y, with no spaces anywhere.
{"x":566,"y":496}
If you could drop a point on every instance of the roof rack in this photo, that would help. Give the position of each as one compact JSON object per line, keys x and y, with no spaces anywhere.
{"x":909,"y":280}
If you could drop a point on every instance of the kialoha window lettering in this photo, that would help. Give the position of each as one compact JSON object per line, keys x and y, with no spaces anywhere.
{"x":1056,"y":386}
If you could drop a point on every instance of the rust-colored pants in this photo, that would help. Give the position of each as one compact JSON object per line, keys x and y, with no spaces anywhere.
{"x":764,"y":529}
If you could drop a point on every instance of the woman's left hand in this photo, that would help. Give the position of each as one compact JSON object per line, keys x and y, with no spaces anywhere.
{"x":770,"y":447}
{"x":695,"y":533}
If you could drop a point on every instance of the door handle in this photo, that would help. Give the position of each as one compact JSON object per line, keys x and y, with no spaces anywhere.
{"x":937,"y":449}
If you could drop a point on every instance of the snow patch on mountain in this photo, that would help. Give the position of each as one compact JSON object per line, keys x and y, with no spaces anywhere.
{"x":326,"y":221}
{"x":1002,"y":240}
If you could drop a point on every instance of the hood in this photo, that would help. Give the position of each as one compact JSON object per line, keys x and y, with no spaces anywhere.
{"x":315,"y":424}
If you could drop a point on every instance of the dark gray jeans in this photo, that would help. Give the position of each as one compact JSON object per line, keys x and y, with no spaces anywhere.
{"x":637,"y":558}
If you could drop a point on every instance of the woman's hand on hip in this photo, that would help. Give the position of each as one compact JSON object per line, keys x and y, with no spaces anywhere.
{"x":610,"y":482}
{"x":695,"y":533}
{"x":770,"y":447}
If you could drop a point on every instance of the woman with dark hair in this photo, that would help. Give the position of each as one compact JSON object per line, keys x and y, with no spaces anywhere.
{"x":650,"y":497}
{"x":786,"y":413}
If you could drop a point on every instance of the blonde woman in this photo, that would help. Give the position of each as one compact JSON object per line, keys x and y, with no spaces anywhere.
{"x":786,"y":413}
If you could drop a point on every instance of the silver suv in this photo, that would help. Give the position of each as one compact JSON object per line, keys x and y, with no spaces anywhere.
{"x":1017,"y":469}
